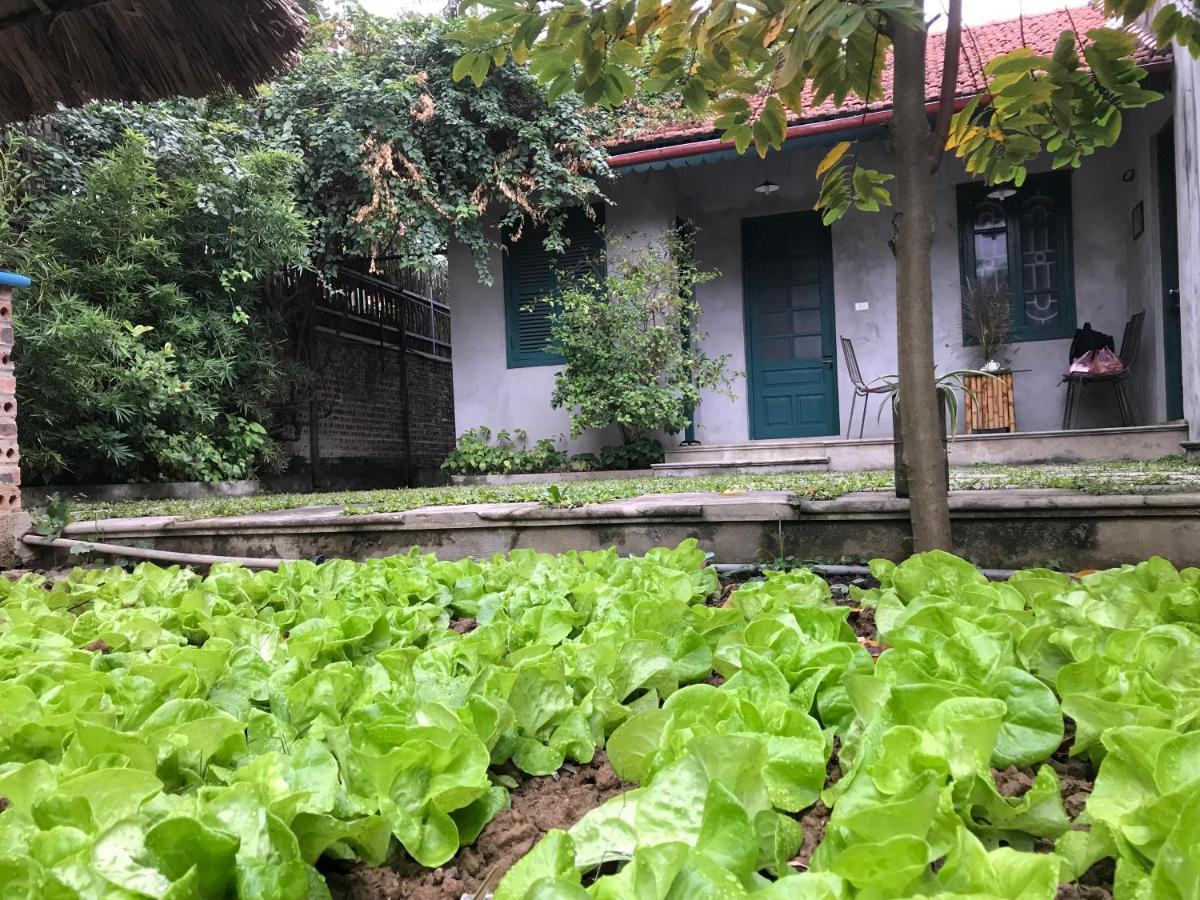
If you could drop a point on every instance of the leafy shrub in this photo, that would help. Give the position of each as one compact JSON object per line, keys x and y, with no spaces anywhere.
{"x":632,"y":344}
{"x":143,"y":348}
{"x":640,"y":453}
{"x":474,"y":454}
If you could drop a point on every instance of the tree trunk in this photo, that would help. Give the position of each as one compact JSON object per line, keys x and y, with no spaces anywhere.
{"x":919,"y":400}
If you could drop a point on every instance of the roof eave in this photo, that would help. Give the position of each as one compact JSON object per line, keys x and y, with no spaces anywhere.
{"x":664,"y":152}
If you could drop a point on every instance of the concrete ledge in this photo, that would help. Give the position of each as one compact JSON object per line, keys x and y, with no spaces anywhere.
{"x":1081,"y":445}
{"x":1001,"y":528}
{"x":553,"y":477}
{"x":151,"y":490}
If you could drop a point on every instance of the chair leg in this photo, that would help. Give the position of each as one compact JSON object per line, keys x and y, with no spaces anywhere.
{"x":850,"y":419}
{"x":1123,"y":403}
{"x":1066,"y":425}
{"x":863,"y":423}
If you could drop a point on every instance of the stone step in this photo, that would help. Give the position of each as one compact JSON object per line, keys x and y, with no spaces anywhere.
{"x":756,"y":467}
{"x":797,"y":453}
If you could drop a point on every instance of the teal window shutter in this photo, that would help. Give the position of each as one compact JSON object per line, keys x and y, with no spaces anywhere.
{"x":1022,"y":243}
{"x":532,"y":275}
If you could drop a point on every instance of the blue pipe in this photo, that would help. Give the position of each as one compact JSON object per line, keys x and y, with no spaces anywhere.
{"x":12,"y":279}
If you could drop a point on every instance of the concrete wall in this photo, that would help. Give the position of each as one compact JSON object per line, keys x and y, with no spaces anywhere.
{"x":1115,"y":276}
{"x":1187,"y":177}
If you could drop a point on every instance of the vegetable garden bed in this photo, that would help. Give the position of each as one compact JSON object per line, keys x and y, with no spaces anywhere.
{"x":411,"y":728}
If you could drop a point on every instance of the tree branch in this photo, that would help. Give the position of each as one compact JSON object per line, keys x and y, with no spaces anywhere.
{"x":941,"y":127}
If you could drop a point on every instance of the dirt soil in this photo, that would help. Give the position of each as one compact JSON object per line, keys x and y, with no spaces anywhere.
{"x":1014,"y":781}
{"x":538,"y":805}
{"x":861,"y":619}
{"x":814,"y":820}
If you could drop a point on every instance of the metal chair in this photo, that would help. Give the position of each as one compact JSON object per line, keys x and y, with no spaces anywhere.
{"x":1130,"y":341}
{"x":862,"y":388}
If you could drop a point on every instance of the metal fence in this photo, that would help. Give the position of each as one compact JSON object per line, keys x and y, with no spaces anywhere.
{"x":371,"y":309}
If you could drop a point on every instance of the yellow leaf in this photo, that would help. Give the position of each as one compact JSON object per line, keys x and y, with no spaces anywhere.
{"x":836,"y":152}
{"x":773,"y":30}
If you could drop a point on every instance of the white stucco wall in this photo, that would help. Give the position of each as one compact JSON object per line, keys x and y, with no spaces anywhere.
{"x":1114,"y":277}
{"x":486,"y":391}
{"x":1187,"y":177}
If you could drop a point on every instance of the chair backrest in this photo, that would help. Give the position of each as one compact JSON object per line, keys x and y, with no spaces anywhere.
{"x":1131,"y":340}
{"x":852,"y":364}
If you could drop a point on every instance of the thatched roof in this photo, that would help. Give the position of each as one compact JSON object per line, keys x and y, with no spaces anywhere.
{"x":72,"y":51}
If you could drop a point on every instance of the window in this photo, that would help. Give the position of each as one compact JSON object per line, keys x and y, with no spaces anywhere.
{"x":1022,"y":243}
{"x":532,"y":275}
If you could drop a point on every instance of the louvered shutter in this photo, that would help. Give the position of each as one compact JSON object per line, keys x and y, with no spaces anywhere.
{"x":531,"y":276}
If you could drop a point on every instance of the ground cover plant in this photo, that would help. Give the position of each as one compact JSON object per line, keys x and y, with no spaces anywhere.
{"x":1170,"y":474}
{"x":164,"y":734}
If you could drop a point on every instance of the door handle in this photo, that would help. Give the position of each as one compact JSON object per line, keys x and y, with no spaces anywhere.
{"x":827,"y":362}
{"x":1173,"y":294}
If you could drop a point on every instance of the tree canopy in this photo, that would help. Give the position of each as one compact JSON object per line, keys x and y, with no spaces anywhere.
{"x":750,"y":64}
{"x":146,"y":347}
{"x":397,"y":157}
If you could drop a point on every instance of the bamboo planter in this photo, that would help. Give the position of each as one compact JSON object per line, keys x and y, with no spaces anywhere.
{"x":989,"y":403}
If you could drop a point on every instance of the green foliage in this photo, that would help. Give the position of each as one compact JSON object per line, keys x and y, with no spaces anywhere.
{"x":713,"y":54}
{"x":727,"y":57}
{"x":1050,"y":104}
{"x":474,"y":455}
{"x":1172,"y":474}
{"x":144,"y":349}
{"x":172,"y":735}
{"x":968,"y":684}
{"x":947,"y":387}
{"x":639,"y":453}
{"x":631,"y":342}
{"x":51,"y":519}
{"x":398,"y":157}
{"x":216,"y":736}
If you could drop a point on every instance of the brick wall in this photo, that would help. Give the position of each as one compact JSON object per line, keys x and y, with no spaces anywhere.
{"x":431,"y":386}
{"x":359,"y":399}
{"x":10,"y":457}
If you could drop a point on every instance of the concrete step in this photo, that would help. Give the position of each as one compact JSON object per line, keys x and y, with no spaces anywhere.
{"x":797,"y":452}
{"x":756,"y":467}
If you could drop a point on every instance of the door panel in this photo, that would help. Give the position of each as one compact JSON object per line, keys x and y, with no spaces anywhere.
{"x":1169,"y":247}
{"x":790,"y":329}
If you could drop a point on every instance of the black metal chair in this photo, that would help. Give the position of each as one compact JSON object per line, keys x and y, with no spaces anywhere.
{"x":1130,"y":341}
{"x":862,"y":388}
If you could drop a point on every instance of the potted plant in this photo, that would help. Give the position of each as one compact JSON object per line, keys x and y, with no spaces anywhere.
{"x":987,"y":322}
{"x":947,"y":386}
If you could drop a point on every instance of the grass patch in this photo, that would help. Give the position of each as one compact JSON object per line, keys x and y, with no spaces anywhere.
{"x":1172,"y":473}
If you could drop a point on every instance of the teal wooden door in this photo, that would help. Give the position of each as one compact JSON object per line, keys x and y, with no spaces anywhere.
{"x":790,"y":330}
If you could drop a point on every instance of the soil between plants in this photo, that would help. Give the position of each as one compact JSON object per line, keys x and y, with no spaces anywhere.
{"x":538,"y":805}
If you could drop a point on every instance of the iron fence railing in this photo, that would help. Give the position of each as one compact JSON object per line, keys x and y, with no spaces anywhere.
{"x":425,"y":321}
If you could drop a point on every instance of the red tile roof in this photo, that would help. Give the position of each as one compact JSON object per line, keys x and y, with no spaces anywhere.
{"x":980,"y":43}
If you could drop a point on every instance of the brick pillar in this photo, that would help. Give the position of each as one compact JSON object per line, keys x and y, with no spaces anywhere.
{"x":12,"y":522}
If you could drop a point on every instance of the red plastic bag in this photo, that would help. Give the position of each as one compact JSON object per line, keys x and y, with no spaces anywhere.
{"x":1105,"y":362}
{"x":1098,"y":362}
